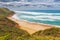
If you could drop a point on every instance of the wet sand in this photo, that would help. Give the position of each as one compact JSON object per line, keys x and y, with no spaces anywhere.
{"x":30,"y":27}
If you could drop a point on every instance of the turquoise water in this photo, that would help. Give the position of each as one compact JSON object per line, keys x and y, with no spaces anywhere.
{"x":44,"y":11}
{"x":40,"y":16}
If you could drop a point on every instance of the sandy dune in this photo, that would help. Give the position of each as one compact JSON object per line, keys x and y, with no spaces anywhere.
{"x":30,"y":27}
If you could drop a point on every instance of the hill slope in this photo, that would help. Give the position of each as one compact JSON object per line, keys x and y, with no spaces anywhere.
{"x":9,"y":30}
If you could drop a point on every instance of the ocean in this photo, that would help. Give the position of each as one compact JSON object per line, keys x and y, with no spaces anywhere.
{"x":51,"y":17}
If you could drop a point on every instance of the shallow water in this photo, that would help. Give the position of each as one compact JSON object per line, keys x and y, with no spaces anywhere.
{"x":46,"y":17}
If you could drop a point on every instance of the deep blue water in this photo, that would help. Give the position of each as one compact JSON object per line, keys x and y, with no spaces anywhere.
{"x":40,"y":16}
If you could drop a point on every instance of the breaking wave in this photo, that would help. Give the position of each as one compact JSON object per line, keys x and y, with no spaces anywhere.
{"x":39,"y":17}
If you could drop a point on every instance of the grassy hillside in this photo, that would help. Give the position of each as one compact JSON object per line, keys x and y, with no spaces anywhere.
{"x":55,"y":32}
{"x":9,"y":30}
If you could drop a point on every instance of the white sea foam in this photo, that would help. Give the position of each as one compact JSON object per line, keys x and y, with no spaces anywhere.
{"x":45,"y":18}
{"x":34,"y":22}
{"x":39,"y":16}
{"x":14,"y":16}
{"x":37,"y":13}
{"x":33,"y":13}
{"x":48,"y":17}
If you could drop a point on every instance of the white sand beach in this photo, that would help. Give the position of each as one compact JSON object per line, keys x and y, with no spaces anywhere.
{"x":30,"y":27}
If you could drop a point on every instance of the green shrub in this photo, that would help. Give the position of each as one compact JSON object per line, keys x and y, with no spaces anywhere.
{"x":49,"y":32}
{"x":8,"y":26}
{"x":44,"y":38}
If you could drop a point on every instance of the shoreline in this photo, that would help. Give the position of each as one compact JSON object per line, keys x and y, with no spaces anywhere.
{"x":31,"y":27}
{"x":14,"y":16}
{"x":20,"y":12}
{"x":41,"y":23}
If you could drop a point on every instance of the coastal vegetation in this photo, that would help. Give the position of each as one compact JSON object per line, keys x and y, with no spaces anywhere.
{"x":9,"y":30}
